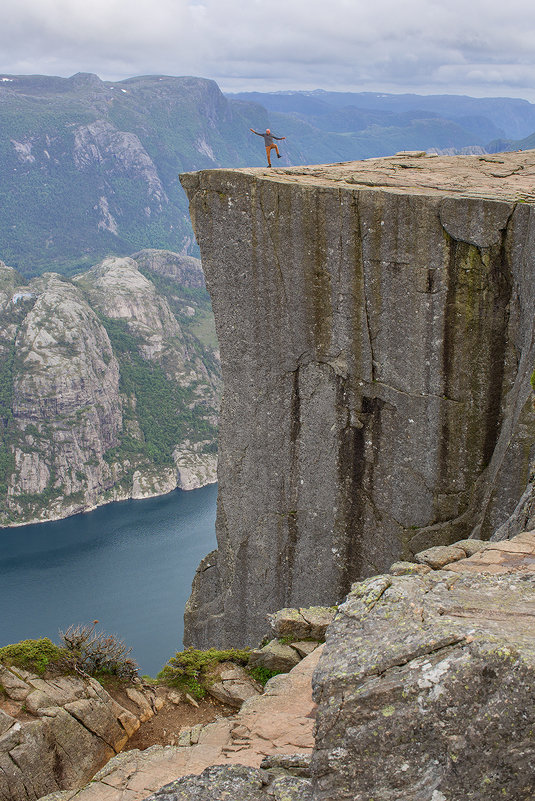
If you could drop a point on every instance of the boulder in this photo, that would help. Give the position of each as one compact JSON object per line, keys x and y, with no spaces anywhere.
{"x":232,"y":685}
{"x":6,"y":722}
{"x":470,"y":547}
{"x":408,"y":568}
{"x":236,"y":782}
{"x":14,"y":687}
{"x":77,"y":728}
{"x":100,"y":720}
{"x":440,"y":555}
{"x":305,"y":647}
{"x":146,"y":711}
{"x":296,"y":764}
{"x":275,"y":656}
{"x":425,"y":690}
{"x":300,"y":624}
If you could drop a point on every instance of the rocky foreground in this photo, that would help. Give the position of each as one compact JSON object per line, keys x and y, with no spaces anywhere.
{"x":55,"y":733}
{"x":423,"y":692}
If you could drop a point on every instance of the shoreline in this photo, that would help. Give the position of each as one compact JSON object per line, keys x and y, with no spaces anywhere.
{"x":87,"y":509}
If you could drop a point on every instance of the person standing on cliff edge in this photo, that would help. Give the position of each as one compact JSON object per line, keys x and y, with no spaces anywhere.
{"x":270,"y":144}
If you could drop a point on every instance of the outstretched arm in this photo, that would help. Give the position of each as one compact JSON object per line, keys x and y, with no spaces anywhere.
{"x":256,"y":132}
{"x":279,"y":137}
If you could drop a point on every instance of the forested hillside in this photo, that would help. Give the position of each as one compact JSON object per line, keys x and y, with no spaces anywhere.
{"x":109,"y":385}
{"x":90,"y":168}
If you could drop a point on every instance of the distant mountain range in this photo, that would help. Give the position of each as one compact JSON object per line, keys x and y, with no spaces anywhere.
{"x":483,"y":118}
{"x":89,"y":168}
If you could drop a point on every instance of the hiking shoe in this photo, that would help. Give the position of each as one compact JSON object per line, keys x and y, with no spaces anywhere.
{"x":278,"y":155}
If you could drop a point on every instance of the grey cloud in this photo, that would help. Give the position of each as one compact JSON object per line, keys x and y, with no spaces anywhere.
{"x":420,"y":45}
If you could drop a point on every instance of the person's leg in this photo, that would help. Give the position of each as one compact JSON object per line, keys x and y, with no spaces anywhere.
{"x":277,"y":151}
{"x":268,"y":149}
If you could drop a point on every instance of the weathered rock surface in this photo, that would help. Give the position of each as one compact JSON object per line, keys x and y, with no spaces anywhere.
{"x":376,"y":329}
{"x":184,"y":269}
{"x":232,"y":685}
{"x":302,"y":623}
{"x":425,"y":690}
{"x":516,"y":555}
{"x":440,"y":555}
{"x":238,"y":783}
{"x":68,"y":406}
{"x":194,"y":466}
{"x":59,"y":733}
{"x":275,"y":656}
{"x":409,"y":568}
{"x":278,"y":724}
{"x":523,"y":516}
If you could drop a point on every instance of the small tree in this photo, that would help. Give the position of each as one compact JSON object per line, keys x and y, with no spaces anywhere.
{"x":93,"y":652}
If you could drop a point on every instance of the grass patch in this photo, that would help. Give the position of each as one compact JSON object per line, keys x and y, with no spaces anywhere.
{"x":262,"y":675}
{"x":33,"y":655}
{"x":190,"y":670}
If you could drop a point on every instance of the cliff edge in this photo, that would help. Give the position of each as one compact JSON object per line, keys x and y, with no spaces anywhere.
{"x":375,"y":321}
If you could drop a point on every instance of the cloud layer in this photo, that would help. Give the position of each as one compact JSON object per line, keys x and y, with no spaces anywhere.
{"x":479,"y":48}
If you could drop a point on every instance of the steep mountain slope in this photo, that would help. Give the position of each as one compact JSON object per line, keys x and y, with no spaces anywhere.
{"x":90,"y":168}
{"x":106,"y":391}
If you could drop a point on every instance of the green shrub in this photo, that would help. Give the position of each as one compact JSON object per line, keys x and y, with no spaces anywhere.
{"x":262,"y":675}
{"x":87,"y":650}
{"x":189,"y":670}
{"x":33,"y":655}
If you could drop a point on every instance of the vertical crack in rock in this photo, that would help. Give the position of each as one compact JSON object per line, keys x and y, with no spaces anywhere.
{"x":291,"y":518}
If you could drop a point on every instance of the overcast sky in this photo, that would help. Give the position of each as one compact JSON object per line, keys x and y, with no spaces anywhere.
{"x":477,"y":47}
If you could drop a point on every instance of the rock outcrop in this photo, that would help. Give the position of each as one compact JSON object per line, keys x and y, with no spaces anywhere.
{"x":55,"y":733}
{"x":424,"y":689}
{"x":424,"y":693}
{"x":523,"y":516}
{"x":83,"y":366}
{"x":272,"y":731}
{"x":219,"y":783}
{"x":376,"y":329}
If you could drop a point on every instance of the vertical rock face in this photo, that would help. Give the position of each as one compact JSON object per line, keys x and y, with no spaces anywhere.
{"x":377,"y":346}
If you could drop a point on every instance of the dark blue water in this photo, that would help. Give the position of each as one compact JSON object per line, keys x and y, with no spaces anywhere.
{"x":128,"y":565}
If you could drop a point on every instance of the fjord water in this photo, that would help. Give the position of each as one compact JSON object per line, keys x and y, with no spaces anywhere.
{"x":128,"y":565}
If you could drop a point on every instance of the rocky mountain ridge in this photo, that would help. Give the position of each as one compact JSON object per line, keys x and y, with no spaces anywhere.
{"x":90,"y":167}
{"x":109,"y":385}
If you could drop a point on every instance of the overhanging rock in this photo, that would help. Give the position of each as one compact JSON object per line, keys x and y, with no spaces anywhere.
{"x":376,"y":329}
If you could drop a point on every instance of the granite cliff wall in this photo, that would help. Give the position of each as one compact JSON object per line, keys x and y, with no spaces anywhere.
{"x":376,"y":329}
